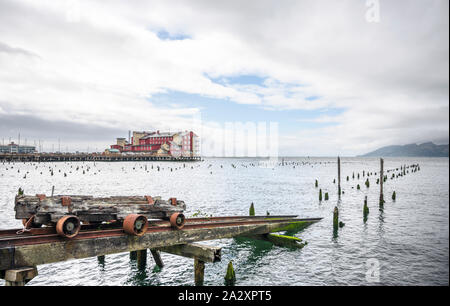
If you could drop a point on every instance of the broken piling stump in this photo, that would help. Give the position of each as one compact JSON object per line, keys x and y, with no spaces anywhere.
{"x":230,"y":277}
{"x":251,"y":210}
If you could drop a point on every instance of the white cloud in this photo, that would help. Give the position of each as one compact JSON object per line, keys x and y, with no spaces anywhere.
{"x":95,"y":64}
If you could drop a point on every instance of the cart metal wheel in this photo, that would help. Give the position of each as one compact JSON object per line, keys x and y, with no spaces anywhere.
{"x":68,"y":226}
{"x":135,"y":224}
{"x":177,"y":220}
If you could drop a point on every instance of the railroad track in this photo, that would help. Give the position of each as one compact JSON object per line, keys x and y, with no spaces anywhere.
{"x":10,"y":237}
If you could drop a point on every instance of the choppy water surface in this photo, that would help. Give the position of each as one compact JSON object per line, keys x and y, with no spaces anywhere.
{"x":409,"y":239}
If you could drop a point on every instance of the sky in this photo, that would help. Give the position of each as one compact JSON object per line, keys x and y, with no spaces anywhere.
{"x":334,"y":77}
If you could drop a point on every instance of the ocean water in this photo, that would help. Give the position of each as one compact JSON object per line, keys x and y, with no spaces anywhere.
{"x":406,"y":243}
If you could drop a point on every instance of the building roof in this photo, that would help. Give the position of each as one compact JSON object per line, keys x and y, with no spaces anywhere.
{"x":163,"y":134}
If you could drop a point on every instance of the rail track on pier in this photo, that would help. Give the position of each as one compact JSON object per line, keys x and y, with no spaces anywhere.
{"x":16,"y":237}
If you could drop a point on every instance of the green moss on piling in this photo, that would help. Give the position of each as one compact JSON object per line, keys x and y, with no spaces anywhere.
{"x":336,"y":218}
{"x":293,"y":227}
{"x":230,"y":276}
{"x":251,"y":210}
{"x":286,"y":241}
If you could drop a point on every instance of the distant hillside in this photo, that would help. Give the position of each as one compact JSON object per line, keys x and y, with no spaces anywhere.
{"x":427,"y":149}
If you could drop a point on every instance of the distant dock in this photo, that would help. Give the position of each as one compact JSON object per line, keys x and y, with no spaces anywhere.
{"x":85,"y":157}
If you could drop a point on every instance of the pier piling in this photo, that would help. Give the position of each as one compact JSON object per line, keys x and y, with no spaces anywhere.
{"x":230,"y":277}
{"x":381,"y":181}
{"x":199,"y":271}
{"x":157,"y":258}
{"x":339,"y":176}
{"x":141,"y":259}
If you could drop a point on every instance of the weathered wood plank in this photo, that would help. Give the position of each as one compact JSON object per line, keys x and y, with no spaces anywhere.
{"x":88,"y":208}
{"x":20,"y":275}
{"x":33,"y":255}
{"x":202,"y":252}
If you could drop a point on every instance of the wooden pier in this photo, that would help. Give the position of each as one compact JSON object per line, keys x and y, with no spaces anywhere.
{"x":84,"y":157}
{"x":20,"y":254}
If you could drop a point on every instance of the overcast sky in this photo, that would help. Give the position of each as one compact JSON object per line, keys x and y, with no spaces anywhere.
{"x":338,"y":77}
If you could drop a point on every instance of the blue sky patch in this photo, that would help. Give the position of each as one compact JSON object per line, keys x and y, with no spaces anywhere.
{"x":224,"y":110}
{"x":247,"y":79}
{"x":164,"y":35}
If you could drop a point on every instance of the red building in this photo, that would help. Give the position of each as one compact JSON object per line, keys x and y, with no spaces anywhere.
{"x":177,"y":144}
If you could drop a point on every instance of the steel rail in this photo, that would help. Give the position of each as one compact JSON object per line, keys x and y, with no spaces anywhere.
{"x":103,"y":226}
{"x":47,"y":238}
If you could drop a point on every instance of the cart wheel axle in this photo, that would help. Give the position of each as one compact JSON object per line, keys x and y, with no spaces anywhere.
{"x":68,"y":226}
{"x":177,"y":220}
{"x":135,"y":224}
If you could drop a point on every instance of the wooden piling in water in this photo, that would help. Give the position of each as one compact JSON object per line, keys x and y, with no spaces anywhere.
{"x":251,"y":211}
{"x":339,"y":176}
{"x":157,"y":257}
{"x":365,"y":210}
{"x":336,"y":218}
{"x":230,"y":277}
{"x":381,"y":181}
{"x":133,"y":255}
{"x":101,"y":259}
{"x":141,"y":259}
{"x":199,"y":272}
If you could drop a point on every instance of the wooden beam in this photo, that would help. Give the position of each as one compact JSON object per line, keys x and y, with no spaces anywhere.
{"x":157,"y":257}
{"x":19,"y":276}
{"x":198,"y":251}
{"x":37,"y":254}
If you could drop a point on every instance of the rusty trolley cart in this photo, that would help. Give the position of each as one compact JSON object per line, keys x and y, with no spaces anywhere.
{"x":67,"y":212}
